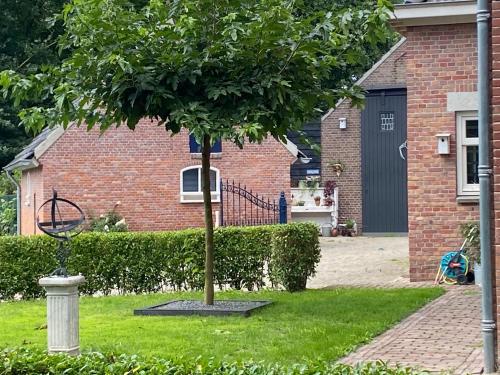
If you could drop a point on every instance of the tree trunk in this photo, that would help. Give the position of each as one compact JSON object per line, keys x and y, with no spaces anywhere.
{"x":209,"y":222}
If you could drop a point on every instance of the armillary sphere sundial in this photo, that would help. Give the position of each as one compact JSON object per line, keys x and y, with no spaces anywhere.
{"x":66,"y":220}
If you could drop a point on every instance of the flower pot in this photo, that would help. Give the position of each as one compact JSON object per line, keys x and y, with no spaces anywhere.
{"x":335,"y":232}
{"x":317,"y":201}
{"x":478,"y":274}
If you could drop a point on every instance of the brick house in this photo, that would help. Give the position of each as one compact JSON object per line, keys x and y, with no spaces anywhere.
{"x":154,"y":177}
{"x":443,"y":185}
{"x":421,"y":92}
{"x":365,"y":185}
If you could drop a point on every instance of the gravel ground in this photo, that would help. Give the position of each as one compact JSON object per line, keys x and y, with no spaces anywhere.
{"x":363,"y":261}
{"x":218,"y":305}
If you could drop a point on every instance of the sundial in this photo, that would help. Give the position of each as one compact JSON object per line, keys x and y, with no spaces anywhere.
{"x":65,"y":223}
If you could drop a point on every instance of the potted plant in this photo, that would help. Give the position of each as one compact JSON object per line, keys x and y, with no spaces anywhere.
{"x":312,"y":183}
{"x":473,"y":251}
{"x":349,"y":228}
{"x":301,"y":203}
{"x":349,"y":224}
{"x":317,"y":200}
{"x":338,"y":167}
{"x":335,"y":232}
{"x":328,"y":191}
{"x":328,"y":202}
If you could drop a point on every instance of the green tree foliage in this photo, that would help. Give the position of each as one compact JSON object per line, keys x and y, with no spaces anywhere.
{"x":7,"y":216}
{"x":359,"y":63}
{"x":26,"y":43}
{"x":238,"y":70}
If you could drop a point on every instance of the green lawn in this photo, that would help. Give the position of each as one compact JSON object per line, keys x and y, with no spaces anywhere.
{"x":316,"y":324}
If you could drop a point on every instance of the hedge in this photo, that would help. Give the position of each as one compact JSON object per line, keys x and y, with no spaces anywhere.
{"x":31,"y":362}
{"x":245,"y":257}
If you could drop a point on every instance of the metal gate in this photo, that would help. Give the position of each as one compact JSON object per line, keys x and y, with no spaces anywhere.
{"x":242,"y":207}
{"x":384,"y":165}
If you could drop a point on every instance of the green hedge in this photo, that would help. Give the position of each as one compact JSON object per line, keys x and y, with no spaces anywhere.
{"x":29,"y":362}
{"x":245,"y":257}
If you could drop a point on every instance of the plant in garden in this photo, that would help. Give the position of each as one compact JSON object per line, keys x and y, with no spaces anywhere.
{"x":6,"y":185}
{"x":7,"y":217}
{"x":137,"y":262}
{"x":350,"y":223}
{"x":472,"y":248}
{"x":237,"y":70}
{"x":110,"y":222}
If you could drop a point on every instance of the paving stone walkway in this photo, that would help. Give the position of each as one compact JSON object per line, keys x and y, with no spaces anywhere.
{"x":443,"y":337}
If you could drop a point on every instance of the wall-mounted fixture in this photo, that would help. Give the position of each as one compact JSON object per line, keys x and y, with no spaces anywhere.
{"x":342,"y":123}
{"x":443,"y":146}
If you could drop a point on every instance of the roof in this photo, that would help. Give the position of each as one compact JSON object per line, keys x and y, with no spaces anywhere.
{"x":434,"y":12}
{"x":365,"y":76}
{"x":29,"y":156}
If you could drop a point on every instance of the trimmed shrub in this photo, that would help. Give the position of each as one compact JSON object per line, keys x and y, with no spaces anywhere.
{"x":294,"y":256}
{"x":32,"y":362}
{"x":245,"y":257}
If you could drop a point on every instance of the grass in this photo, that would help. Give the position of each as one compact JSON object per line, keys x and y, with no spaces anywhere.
{"x":315,"y":324}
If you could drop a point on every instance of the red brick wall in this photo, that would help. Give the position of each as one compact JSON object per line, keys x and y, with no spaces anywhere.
{"x":391,"y":73}
{"x":141,"y":169}
{"x":440,"y":59}
{"x":345,"y":144}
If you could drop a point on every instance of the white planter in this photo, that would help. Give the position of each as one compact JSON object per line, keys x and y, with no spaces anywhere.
{"x":478,"y":274}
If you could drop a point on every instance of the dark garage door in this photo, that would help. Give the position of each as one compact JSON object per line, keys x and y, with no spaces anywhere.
{"x":384,"y":171}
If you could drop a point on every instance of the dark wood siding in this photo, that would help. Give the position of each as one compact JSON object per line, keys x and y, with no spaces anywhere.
{"x":300,"y":171}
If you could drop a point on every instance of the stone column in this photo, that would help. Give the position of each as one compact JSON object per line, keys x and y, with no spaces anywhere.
{"x":63,"y":313}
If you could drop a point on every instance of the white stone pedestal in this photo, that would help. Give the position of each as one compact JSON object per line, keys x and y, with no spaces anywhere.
{"x":63,"y":313}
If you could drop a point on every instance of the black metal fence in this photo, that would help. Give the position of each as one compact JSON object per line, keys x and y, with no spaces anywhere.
{"x":242,"y":207}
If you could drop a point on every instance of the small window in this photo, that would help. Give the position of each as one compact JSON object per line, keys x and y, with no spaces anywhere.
{"x":467,"y":154}
{"x":195,"y":147}
{"x":387,"y":121}
{"x":191,"y":185}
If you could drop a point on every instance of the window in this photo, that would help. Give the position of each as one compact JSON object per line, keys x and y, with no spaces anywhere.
{"x":387,"y":121}
{"x":195,"y":147}
{"x":467,"y":154}
{"x":191,"y":185}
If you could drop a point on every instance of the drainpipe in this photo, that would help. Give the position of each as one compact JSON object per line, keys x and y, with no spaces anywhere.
{"x":18,"y":200}
{"x":484,"y":171}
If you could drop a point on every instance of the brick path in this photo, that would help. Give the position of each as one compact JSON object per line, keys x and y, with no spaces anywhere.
{"x":444,"y":336}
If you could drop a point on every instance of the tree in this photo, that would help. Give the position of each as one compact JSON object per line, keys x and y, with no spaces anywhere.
{"x":238,"y":70}
{"x":27,"y":41}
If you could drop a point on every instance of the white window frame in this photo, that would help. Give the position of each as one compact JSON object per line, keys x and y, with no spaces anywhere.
{"x":463,"y":188}
{"x":197,"y":196}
